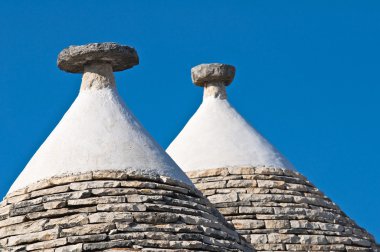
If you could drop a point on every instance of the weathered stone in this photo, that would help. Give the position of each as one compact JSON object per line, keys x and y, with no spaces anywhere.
{"x":121,"y":207}
{"x":137,"y":198}
{"x":212,"y":185}
{"x":127,"y":236}
{"x":17,"y":192}
{"x":3,"y":242}
{"x":277,"y":224}
{"x":68,"y":221}
{"x":87,"y":238}
{"x":331,"y":227}
{"x":359,"y":249}
{"x":228,"y":210}
{"x":108,"y":217}
{"x":96,"y":201}
{"x":66,"y":196}
{"x":313,"y":239}
{"x":310,"y":247}
{"x":71,"y":178}
{"x":269,"y":247}
{"x":87,"y":229}
{"x":54,"y":204}
{"x":360,"y":242}
{"x":73,"y":58}
{"x":258,"y":238}
{"x":255,"y":210}
{"x":174,"y":188}
{"x":118,"y":175}
{"x":39,"y":185}
{"x":50,"y":191}
{"x":248,"y":224}
{"x":107,"y":244}
{"x":157,"y":218}
{"x":241,"y":183}
{"x":270,"y":184}
{"x":302,"y":224}
{"x":12,"y":221}
{"x":48,"y":214}
{"x":138,"y":184}
{"x":218,"y":198}
{"x":47,"y":244}
{"x":282,"y":238}
{"x":241,"y":170}
{"x":210,"y":73}
{"x":25,"y":210}
{"x":22,"y":228}
{"x":16,"y":199}
{"x":33,"y":237}
{"x":269,"y":171}
{"x":113,"y":191}
{"x":80,"y":186}
{"x":70,"y":248}
{"x":338,"y":240}
{"x":208,"y":173}
{"x":27,"y":203}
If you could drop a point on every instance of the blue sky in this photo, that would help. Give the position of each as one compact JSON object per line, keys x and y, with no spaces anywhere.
{"x":307,"y":78}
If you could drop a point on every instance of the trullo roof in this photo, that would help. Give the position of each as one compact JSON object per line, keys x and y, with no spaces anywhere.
{"x":98,"y":132}
{"x":217,"y":135}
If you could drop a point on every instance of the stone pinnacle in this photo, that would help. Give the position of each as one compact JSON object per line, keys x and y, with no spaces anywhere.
{"x":214,"y":78}
{"x":212,"y":73}
{"x":74,"y":58}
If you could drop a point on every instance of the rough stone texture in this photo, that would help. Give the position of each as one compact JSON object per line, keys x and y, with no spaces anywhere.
{"x":74,"y":58}
{"x":215,"y":72}
{"x":280,"y":210}
{"x":114,"y":211}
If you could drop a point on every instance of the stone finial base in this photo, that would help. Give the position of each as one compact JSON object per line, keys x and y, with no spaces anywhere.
{"x":74,"y":58}
{"x":278,"y":209}
{"x":212,"y":73}
{"x":113,"y":210}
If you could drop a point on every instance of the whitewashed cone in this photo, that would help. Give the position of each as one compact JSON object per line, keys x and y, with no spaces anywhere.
{"x":101,"y":183}
{"x":256,"y":188}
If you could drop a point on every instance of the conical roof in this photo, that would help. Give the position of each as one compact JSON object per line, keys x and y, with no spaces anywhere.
{"x":101,"y":183}
{"x":257,"y":190}
{"x":217,"y":135}
{"x":98,"y":132}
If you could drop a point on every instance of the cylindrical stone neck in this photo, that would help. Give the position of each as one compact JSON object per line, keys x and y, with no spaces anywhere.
{"x":215,"y":90}
{"x":97,"y":76}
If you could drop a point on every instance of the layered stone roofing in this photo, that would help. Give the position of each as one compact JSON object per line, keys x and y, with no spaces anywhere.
{"x":280,"y":210}
{"x":101,"y":183}
{"x":98,"y":132}
{"x":113,"y":210}
{"x":217,"y":135}
{"x":272,"y":206}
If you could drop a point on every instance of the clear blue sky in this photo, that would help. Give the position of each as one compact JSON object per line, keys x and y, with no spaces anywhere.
{"x":307,"y":78}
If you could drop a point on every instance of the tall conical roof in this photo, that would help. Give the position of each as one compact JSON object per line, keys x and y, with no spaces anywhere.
{"x":98,"y":132}
{"x":217,"y":135}
{"x":101,"y":183}
{"x":274,"y":207}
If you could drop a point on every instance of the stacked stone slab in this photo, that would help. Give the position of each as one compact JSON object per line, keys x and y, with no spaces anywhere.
{"x":252,"y":184}
{"x":280,"y":210}
{"x":101,"y":183}
{"x":109,"y":210}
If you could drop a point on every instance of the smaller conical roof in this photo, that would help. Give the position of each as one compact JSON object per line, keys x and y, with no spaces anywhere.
{"x":217,"y":135}
{"x":98,"y":132}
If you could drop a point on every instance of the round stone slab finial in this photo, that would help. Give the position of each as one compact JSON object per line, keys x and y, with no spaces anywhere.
{"x":74,"y":58}
{"x":215,"y":72}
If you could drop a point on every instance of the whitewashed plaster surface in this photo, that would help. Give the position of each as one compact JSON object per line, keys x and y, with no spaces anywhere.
{"x":98,"y":132}
{"x":218,"y":136}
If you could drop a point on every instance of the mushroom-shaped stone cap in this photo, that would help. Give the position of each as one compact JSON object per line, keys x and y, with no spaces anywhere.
{"x":74,"y":58}
{"x":215,"y":72}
